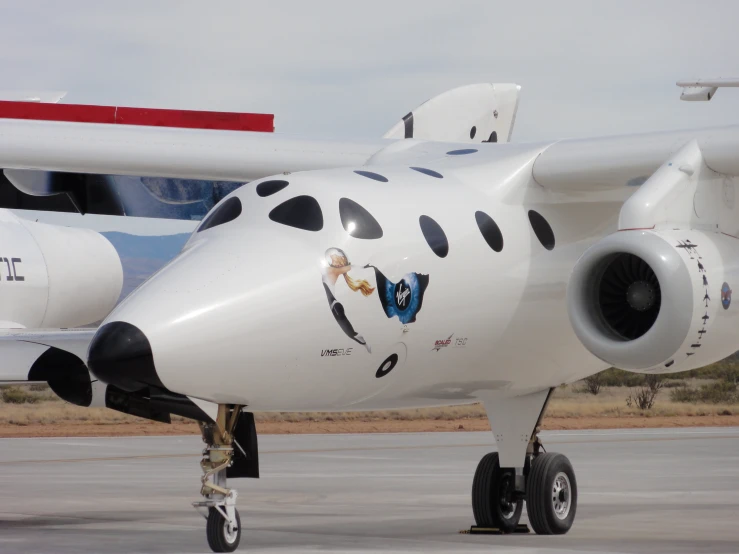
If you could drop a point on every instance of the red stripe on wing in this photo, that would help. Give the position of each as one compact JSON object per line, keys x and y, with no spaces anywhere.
{"x":149,"y":117}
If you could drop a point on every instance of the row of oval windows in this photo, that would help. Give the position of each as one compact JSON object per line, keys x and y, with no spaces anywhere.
{"x":268,"y":188}
{"x":304,"y":212}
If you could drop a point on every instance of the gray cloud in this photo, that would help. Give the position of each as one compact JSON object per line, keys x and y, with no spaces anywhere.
{"x":348,"y":69}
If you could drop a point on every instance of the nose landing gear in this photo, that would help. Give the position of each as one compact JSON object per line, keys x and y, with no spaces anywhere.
{"x":223,"y":529}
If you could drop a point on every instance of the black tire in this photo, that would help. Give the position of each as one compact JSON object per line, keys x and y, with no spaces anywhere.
{"x":493,"y":492}
{"x":547,"y":513}
{"x":217,"y":532}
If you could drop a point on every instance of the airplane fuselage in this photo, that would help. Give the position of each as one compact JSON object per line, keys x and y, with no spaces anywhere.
{"x":422,"y":303}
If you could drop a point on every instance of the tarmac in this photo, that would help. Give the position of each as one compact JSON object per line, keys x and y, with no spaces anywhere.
{"x":640,"y":491}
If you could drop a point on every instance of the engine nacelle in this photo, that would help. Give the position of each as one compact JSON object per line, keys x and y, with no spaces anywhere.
{"x":657,"y":301}
{"x":53,"y":276}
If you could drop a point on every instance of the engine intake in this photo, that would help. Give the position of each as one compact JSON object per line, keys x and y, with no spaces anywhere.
{"x":631,"y":299}
{"x":629,"y":296}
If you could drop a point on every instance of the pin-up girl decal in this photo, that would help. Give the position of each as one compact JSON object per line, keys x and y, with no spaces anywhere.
{"x":336,"y":264}
{"x":404,"y":298}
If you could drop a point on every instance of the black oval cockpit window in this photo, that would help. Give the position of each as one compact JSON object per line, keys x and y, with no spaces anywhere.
{"x":490,"y":231}
{"x":268,"y":188}
{"x":371,"y":175}
{"x":542,"y":229}
{"x":357,"y":221}
{"x":302,"y":212}
{"x":434,"y":235}
{"x":223,"y":213}
{"x":429,"y":172}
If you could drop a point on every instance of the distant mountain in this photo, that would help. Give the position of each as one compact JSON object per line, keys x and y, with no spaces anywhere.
{"x":141,"y":256}
{"x":163,"y":247}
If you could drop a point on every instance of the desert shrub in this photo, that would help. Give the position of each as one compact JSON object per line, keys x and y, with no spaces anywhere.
{"x":14,"y":395}
{"x":591,"y":384}
{"x":730,"y":375}
{"x":720,"y":392}
{"x":725,"y":370}
{"x":684,"y":394}
{"x":643,"y":397}
{"x":38,"y":387}
{"x":674,"y":383}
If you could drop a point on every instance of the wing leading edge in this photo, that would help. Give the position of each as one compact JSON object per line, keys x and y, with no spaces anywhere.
{"x":629,"y":160}
{"x":169,"y":152}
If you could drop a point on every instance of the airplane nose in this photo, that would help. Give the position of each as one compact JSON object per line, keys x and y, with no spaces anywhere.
{"x":120,"y":355}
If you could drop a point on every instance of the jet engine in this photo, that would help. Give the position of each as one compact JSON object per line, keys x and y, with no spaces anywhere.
{"x":53,"y":276}
{"x":657,"y":301}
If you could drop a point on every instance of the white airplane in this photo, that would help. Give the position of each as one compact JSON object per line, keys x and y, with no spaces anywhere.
{"x":438,"y":266}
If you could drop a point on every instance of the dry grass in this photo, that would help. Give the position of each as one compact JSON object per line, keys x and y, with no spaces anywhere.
{"x":611,"y":402}
{"x":566,"y":403}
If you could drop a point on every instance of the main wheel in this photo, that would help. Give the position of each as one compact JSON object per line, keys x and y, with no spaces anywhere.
{"x":551,"y":494}
{"x":221,"y":537}
{"x":494,"y":502}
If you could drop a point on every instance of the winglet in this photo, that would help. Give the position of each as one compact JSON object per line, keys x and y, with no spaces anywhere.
{"x":473,"y":113}
{"x":702,"y":90}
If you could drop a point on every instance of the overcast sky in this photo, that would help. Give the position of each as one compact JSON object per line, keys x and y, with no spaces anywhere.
{"x":345,"y":68}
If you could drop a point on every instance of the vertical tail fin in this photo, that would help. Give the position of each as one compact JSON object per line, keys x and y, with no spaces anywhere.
{"x":473,"y":113}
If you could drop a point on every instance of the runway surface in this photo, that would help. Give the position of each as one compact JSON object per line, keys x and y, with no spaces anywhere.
{"x":640,"y":491}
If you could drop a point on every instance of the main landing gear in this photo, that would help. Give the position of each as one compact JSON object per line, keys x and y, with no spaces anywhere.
{"x":545,"y":481}
{"x":230,"y":451}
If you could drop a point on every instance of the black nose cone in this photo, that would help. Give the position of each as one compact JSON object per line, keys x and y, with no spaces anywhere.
{"x":120,"y":355}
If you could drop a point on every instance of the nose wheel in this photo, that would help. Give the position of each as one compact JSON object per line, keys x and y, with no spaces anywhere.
{"x":223,"y":527}
{"x":223,"y":534}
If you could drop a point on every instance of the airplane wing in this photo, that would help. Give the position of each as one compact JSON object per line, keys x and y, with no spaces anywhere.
{"x":44,"y":96}
{"x":168,"y":152}
{"x":702,"y":90}
{"x":115,"y":142}
{"x":619,"y":161}
{"x":580,"y":165}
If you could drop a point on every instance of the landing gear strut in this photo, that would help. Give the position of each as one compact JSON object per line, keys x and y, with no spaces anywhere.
{"x":223,"y":529}
{"x":549,"y":490}
{"x":545,"y":481}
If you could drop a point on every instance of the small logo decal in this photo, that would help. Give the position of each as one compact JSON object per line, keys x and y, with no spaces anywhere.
{"x":725,"y":296}
{"x":337,"y":352}
{"x":402,"y":294}
{"x":443,"y":343}
{"x":447,"y":342}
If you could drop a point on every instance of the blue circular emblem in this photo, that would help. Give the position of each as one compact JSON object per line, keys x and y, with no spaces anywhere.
{"x":725,"y":296}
